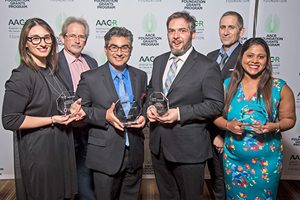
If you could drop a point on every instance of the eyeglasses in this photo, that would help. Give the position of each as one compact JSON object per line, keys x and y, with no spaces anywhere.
{"x":37,"y":39}
{"x":74,"y":37}
{"x":115,"y":48}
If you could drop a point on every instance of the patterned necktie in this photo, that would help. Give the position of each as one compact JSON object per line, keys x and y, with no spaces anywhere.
{"x":171,"y":75}
{"x":124,"y":99}
{"x":224,"y":56}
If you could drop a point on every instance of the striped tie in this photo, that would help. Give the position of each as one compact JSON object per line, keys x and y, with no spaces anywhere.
{"x":224,"y":56}
{"x":171,"y":75}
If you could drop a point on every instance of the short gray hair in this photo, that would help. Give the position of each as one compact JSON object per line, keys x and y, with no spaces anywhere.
{"x":71,"y":20}
{"x":237,"y":15}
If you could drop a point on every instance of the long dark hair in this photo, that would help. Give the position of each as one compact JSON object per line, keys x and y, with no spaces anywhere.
{"x":25,"y":55}
{"x":265,"y":82}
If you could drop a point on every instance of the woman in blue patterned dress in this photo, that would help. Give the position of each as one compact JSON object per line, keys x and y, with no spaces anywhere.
{"x":257,"y":108}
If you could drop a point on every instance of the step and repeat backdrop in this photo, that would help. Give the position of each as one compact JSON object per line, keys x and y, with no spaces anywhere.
{"x":276,"y":22}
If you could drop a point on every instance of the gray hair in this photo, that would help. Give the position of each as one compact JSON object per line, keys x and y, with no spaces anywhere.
{"x":237,"y":15}
{"x":71,"y":20}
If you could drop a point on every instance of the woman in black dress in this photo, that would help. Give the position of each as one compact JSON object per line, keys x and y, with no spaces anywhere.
{"x":43,"y":143}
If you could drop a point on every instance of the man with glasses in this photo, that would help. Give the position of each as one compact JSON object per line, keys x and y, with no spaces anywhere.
{"x":72,"y":62}
{"x":231,"y":29}
{"x":115,"y":152}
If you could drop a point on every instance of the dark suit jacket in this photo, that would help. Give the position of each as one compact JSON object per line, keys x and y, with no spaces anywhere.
{"x":226,"y":72}
{"x":64,"y":71}
{"x":198,"y":92}
{"x":230,"y":63}
{"x":80,"y":133}
{"x":106,"y":144}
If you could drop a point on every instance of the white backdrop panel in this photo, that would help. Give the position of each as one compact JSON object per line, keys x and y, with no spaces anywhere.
{"x":147,"y":21}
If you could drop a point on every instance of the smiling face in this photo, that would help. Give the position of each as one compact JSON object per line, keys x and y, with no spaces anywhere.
{"x":179,"y":36}
{"x":40,"y":51}
{"x":254,"y":61}
{"x":229,"y":31}
{"x":118,"y":51}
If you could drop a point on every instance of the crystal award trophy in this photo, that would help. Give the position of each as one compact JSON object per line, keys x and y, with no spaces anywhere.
{"x":160,"y":102}
{"x":253,"y":115}
{"x":127,"y":111}
{"x":64,"y":102}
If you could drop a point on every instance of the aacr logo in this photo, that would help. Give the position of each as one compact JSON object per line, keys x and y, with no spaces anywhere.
{"x":295,"y":157}
{"x":149,"y":23}
{"x":146,"y":59}
{"x":108,"y":22}
{"x":275,"y":59}
{"x":272,"y":24}
{"x":16,"y":22}
{"x":200,"y":23}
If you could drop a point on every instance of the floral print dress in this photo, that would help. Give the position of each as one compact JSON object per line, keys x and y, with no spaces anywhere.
{"x":252,"y":162}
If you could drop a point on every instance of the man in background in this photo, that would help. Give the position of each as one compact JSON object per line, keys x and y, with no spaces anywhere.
{"x":72,"y":62}
{"x":231,"y":29}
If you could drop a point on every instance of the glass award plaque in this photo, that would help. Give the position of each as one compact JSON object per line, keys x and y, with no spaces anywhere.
{"x":160,"y":102}
{"x":64,"y":102}
{"x":127,"y":112}
{"x":253,"y":115}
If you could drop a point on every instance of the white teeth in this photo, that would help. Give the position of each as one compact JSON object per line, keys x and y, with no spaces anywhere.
{"x":254,"y":66}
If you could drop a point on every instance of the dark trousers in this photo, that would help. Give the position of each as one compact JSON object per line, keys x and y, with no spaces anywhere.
{"x":215,"y":166}
{"x":84,"y":174}
{"x":125,"y":185}
{"x":178,"y":181}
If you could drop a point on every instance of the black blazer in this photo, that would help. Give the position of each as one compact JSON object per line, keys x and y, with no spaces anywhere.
{"x":80,"y":133}
{"x":226,"y":72}
{"x":106,"y":145}
{"x":198,"y":92}
{"x":230,"y":63}
{"x":64,"y":71}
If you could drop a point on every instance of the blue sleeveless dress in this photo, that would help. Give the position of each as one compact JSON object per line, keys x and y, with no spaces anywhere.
{"x":252,"y":162}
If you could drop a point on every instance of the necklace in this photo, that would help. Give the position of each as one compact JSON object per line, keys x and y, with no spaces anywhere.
{"x":64,"y":99}
{"x":59,"y":93}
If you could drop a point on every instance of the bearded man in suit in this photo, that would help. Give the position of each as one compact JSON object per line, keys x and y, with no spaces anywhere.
{"x":179,"y":139}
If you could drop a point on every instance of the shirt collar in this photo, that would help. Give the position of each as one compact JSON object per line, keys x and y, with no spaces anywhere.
{"x":231,"y":49}
{"x":71,"y":58}
{"x":114,"y":72}
{"x":184,"y":56}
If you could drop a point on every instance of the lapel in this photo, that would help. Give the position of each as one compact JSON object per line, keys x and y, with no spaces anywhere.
{"x":189,"y":63}
{"x":65,"y":71}
{"x":134,"y":82}
{"x":162,"y":67}
{"x":109,"y":82}
{"x":230,"y":64}
{"x":88,"y":61}
{"x":215,"y":55}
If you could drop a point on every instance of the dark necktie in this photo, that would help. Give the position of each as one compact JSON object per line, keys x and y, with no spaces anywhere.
{"x":224,"y":56}
{"x":171,"y":75}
